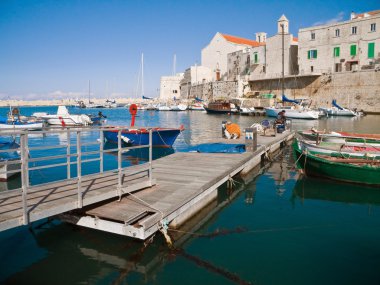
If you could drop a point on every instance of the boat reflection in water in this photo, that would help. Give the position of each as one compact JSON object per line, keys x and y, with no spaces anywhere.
{"x":318,"y":189}
{"x":140,"y":155}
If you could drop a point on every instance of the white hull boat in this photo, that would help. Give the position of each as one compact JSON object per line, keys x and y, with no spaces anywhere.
{"x":293,"y":113}
{"x":333,"y":111}
{"x":63,"y":118}
{"x":179,"y":107}
{"x":22,"y":126}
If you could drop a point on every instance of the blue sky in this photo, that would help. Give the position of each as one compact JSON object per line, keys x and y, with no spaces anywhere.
{"x":52,"y":48}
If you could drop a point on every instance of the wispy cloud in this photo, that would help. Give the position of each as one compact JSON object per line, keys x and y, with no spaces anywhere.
{"x":336,"y":19}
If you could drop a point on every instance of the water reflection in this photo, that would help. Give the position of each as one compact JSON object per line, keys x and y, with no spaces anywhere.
{"x":317,"y":189}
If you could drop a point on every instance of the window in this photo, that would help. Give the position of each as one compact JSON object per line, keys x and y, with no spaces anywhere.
{"x":256,"y":57}
{"x":312,"y":54}
{"x":373,"y":27}
{"x":312,"y":36}
{"x":371,"y":50}
{"x":248,"y":60}
{"x":353,"y":50}
{"x":337,"y":32}
{"x":336,"y":51}
{"x":354,"y":30}
{"x":312,"y":68}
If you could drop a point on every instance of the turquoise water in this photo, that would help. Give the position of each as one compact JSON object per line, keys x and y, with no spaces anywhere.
{"x":276,"y":228}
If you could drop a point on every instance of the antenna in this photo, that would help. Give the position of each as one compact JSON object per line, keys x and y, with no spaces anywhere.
{"x":174,"y":64}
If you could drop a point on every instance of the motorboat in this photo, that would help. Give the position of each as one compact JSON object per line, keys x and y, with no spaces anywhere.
{"x":14,"y":120}
{"x":197,"y":106}
{"x":64,"y":118}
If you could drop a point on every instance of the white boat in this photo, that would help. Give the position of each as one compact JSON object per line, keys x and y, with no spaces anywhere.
{"x":110,"y":104}
{"x":63,"y":118}
{"x":293,"y":112}
{"x":178,"y":107}
{"x":15,"y":121}
{"x":163,"y":107}
{"x":197,"y":106}
{"x":337,"y":110}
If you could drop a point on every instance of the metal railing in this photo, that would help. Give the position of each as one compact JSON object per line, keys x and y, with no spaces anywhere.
{"x":22,"y":163}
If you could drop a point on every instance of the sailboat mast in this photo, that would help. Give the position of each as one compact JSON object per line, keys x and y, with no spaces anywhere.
{"x":142,"y":74}
{"x":89,"y":92}
{"x":174,"y":63}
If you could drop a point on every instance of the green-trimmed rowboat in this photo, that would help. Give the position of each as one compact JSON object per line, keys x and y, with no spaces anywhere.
{"x":355,"y":170}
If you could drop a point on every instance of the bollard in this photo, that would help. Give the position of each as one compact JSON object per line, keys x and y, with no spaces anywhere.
{"x":250,"y":139}
{"x":223,"y":129}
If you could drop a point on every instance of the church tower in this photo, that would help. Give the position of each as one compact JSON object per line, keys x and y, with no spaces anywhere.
{"x":285,"y":22}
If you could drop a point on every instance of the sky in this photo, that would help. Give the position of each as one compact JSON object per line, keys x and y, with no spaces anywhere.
{"x":52,"y":49}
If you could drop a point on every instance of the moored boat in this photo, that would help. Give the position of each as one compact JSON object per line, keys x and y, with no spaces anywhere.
{"x":337,"y":110}
{"x":354,"y":170}
{"x":220,"y":107}
{"x":161,"y":137}
{"x":64,"y":118}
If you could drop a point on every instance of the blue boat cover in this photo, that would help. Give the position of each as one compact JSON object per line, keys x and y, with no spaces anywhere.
{"x":336,"y":105}
{"x":3,"y":120}
{"x":198,"y":99}
{"x":218,"y":148}
{"x":285,"y":99}
{"x":147,"y":98}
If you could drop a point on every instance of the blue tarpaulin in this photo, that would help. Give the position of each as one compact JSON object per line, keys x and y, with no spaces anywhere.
{"x":285,"y":99}
{"x":218,"y":148}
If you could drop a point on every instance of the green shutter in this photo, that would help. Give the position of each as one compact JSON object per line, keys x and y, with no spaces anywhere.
{"x":315,"y":53}
{"x":371,"y":50}
{"x":256,"y":58}
{"x":353,"y":50}
{"x":336,"y":51}
{"x":308,"y":54}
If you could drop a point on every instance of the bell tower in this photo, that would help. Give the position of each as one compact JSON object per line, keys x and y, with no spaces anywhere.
{"x":283,"y":25}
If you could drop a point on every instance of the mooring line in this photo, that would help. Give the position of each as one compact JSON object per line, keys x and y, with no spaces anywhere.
{"x":239,"y":230}
{"x":211,"y":267}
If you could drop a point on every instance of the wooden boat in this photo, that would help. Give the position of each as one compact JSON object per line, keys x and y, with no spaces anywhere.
{"x":161,"y":137}
{"x":220,"y":107}
{"x":15,"y":120}
{"x":353,"y":170}
{"x":339,"y":149}
{"x":340,"y":136}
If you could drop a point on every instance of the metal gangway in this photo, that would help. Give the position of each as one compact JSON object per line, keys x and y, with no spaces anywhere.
{"x":29,"y":203}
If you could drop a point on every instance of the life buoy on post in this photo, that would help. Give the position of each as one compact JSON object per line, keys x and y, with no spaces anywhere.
{"x":133,"y":112}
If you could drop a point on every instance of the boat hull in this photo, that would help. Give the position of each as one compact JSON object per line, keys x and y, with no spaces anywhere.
{"x":21,"y":126}
{"x":160,"y":137}
{"x":293,"y":113}
{"x":316,"y":166}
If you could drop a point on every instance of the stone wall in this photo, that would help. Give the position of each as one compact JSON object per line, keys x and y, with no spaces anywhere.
{"x":214,"y":90}
{"x":359,"y":90}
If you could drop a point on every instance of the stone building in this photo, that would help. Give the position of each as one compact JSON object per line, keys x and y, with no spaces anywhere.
{"x":275,"y":48}
{"x":214,"y":55}
{"x":170,"y":86}
{"x":345,"y":46}
{"x":251,"y":60}
{"x":195,"y":75}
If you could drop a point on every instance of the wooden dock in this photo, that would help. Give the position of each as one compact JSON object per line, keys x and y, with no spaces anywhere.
{"x":34,"y":202}
{"x":186,"y":182}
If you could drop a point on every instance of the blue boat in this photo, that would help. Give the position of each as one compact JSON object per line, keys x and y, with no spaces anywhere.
{"x":161,"y":137}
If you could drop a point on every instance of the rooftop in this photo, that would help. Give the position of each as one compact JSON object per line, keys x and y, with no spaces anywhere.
{"x":365,"y":14}
{"x":242,"y":41}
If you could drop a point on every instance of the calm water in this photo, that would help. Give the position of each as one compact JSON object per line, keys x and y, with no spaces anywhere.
{"x":276,"y":228}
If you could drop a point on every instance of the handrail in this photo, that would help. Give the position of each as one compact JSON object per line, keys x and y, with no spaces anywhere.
{"x":71,"y":154}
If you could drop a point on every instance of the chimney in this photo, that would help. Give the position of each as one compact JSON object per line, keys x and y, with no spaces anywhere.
{"x":261,"y":37}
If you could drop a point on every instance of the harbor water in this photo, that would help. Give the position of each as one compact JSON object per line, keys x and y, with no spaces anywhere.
{"x":273,"y":227}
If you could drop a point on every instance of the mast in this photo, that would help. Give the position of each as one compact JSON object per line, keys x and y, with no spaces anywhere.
{"x":89,"y":92}
{"x":283,"y":59}
{"x":142,"y":74}
{"x":174,"y":64}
